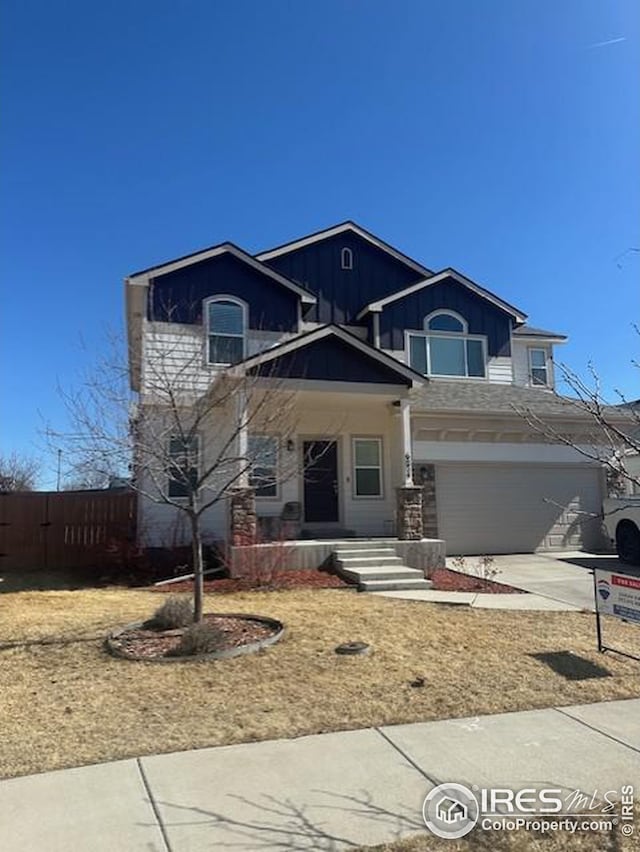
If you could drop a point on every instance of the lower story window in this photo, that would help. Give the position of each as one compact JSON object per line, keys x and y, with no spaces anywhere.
{"x":367,"y":467}
{"x":263,"y":456}
{"x":183,"y":466}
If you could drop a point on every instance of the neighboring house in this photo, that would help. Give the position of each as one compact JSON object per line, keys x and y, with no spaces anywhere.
{"x":416,"y":375}
{"x":632,"y":465}
{"x":631,"y":457}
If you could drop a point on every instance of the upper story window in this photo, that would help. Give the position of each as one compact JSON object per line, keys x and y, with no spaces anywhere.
{"x":226,"y":330}
{"x":447,"y":349}
{"x":538,"y":367}
{"x":346,"y":258}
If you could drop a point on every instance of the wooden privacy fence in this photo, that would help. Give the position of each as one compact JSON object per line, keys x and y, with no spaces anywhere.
{"x":52,"y":530}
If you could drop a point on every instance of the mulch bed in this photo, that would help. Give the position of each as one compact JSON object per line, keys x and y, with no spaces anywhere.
{"x":151,"y":644}
{"x":446,"y":580}
{"x":311,"y":579}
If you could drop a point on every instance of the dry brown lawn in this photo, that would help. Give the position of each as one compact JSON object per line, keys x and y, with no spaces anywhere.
{"x":521,"y":841}
{"x":65,"y":705}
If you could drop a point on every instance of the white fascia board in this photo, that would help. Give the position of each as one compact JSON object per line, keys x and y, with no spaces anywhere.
{"x":376,"y":307}
{"x":135,"y":302}
{"x":340,"y":229}
{"x":326,"y":331}
{"x":143,"y":278}
{"x":529,"y":339}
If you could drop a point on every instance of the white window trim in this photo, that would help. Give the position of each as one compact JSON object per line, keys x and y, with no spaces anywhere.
{"x":277,"y":496}
{"x":223,"y":297}
{"x":456,"y":335}
{"x":448,"y":313}
{"x":346,"y":258}
{"x":354,"y":467}
{"x":546,"y":368}
{"x":198,"y":464}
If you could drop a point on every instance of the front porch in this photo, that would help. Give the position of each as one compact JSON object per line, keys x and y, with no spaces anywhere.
{"x":348,"y":500}
{"x":420,"y":555}
{"x":339,"y":468}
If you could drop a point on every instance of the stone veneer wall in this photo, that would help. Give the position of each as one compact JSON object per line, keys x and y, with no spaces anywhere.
{"x":409,"y":513}
{"x":243,"y":520}
{"x":425,"y":476}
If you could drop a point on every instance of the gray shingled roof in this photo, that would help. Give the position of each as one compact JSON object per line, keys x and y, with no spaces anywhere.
{"x":483,"y":397}
{"x":530,"y":331}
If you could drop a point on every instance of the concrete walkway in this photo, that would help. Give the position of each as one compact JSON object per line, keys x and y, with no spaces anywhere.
{"x":326,"y":792}
{"x":553,"y":582}
{"x":533,"y":603}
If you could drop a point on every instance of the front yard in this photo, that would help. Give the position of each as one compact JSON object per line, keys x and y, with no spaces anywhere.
{"x":71,"y":704}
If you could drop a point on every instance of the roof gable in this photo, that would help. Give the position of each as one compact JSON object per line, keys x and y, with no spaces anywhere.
{"x":342,"y":228}
{"x":448,"y":273}
{"x":153,"y":272}
{"x":179,"y":296}
{"x":330,"y":354}
{"x":343,"y":285}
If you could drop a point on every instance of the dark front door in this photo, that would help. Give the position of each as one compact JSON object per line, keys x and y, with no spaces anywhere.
{"x":321,"y":482}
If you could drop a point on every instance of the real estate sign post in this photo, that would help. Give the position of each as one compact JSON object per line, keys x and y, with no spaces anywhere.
{"x":617,"y":595}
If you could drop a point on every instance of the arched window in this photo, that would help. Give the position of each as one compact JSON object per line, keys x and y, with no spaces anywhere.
{"x":226,"y":319}
{"x":446,"y":348}
{"x":445,"y":321}
{"x":346,"y":258}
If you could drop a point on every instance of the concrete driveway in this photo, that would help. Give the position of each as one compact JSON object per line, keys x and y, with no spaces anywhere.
{"x":566,"y":577}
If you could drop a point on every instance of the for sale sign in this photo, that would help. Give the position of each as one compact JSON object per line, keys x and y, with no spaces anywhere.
{"x":617,"y":594}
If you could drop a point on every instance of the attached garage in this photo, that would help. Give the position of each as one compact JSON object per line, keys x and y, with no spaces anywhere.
{"x":517,"y":508}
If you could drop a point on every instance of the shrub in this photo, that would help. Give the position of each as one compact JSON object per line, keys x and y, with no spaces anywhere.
{"x":487,"y":569}
{"x":260,"y":567}
{"x":174,"y":612}
{"x":484,"y":568}
{"x":200,"y":638}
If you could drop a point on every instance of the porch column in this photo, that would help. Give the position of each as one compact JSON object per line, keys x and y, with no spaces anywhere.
{"x":243,"y":437}
{"x":409,"y":521}
{"x":243,"y":521}
{"x":407,"y":458}
{"x":409,"y":513}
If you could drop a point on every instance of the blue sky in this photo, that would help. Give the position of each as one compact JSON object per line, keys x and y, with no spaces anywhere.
{"x":499,"y":137}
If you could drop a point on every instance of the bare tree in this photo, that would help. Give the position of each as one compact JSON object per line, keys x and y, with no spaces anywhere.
{"x":18,"y":472}
{"x":83,"y":477}
{"x":191,"y":436}
{"x":608,"y":433}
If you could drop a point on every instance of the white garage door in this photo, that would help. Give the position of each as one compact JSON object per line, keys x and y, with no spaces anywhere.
{"x":512,"y":508}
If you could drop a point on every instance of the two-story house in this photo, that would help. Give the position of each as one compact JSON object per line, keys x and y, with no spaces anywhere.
{"x":404,"y":375}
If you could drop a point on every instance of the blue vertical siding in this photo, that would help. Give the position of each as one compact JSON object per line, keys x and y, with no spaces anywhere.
{"x":331,"y":359}
{"x":178,"y":296}
{"x":482,"y":317}
{"x":343,"y":293}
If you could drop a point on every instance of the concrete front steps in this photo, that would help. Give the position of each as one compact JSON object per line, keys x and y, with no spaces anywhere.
{"x":376,"y":568}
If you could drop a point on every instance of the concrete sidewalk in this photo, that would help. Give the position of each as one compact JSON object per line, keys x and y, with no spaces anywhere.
{"x":325,"y":792}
